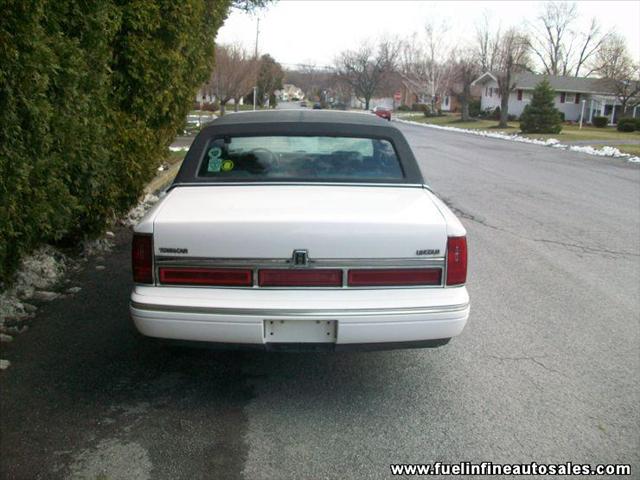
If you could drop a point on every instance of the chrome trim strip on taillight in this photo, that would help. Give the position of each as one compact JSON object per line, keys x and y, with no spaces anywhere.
{"x":342,"y":263}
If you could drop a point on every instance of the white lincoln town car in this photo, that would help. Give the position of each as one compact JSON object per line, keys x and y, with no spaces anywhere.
{"x":300,"y":230}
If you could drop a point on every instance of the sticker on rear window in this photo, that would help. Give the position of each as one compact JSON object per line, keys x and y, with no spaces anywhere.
{"x":227,"y":165}
{"x":215,"y":163}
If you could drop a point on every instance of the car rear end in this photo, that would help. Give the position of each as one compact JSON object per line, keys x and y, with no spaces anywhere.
{"x":324,"y":263}
{"x":318,"y":272}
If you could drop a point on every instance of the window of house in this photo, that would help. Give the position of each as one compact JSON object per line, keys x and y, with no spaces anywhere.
{"x":520,"y":94}
{"x":562,"y":97}
{"x":570,"y":98}
{"x":577,"y":98}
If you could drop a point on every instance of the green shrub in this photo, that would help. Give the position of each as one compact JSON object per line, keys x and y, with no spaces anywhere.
{"x":600,"y":122}
{"x":627,"y":124}
{"x":404,"y":108}
{"x":419,"y":107}
{"x":91,"y":95}
{"x":474,"y":107}
{"x":541,"y":116}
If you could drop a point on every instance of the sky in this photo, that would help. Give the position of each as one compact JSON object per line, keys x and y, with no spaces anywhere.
{"x":314,"y":32}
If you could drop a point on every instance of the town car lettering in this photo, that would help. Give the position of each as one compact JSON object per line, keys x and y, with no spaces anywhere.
{"x":292,"y":230}
{"x":174,"y":250}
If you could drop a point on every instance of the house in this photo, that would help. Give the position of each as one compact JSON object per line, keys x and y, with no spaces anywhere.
{"x":290,"y":92}
{"x":450,"y":100}
{"x":413,"y":91}
{"x":575,"y":96}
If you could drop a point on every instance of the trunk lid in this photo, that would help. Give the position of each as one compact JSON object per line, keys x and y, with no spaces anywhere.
{"x":271,"y":221}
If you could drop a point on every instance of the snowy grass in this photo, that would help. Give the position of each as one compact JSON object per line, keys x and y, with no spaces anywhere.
{"x":606,"y":151}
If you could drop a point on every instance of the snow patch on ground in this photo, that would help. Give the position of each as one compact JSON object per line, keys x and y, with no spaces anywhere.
{"x":178,"y":149}
{"x":98,"y":246}
{"x":137,"y":212}
{"x":550,"y":142}
{"x":37,"y":273}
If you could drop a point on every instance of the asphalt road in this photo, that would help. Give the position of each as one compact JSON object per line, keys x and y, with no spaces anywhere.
{"x":547,"y":369}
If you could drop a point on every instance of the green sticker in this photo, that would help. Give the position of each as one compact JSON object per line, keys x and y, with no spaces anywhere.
{"x":227,"y":165}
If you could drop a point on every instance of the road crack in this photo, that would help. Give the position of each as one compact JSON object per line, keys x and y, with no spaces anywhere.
{"x":534,"y":360}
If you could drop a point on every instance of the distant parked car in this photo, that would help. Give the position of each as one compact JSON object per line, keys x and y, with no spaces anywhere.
{"x":303,"y":104}
{"x":382,"y":113}
{"x":317,"y":106}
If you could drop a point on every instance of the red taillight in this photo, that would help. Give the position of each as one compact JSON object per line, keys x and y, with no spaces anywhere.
{"x":142,"y":258}
{"x":299,"y":278}
{"x":394,"y":277}
{"x":219,"y":277}
{"x":456,"y":260}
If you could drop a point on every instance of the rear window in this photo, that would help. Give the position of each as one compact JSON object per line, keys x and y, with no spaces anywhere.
{"x":312,"y":158}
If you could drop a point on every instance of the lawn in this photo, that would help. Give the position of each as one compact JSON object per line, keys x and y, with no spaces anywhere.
{"x":587,"y":133}
{"x":454,"y":121}
{"x":569,"y":133}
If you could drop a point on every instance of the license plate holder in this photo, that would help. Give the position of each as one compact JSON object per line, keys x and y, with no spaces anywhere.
{"x":300,"y":331}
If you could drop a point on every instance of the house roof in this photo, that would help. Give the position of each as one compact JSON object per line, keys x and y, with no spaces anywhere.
{"x":528,"y":81}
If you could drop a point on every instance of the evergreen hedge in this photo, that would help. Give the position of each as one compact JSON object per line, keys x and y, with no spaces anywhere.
{"x":600,"y":122}
{"x":628,"y":124}
{"x":91,"y":94}
{"x":541,"y":115}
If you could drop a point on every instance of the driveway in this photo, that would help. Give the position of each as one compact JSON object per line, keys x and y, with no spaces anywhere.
{"x":546,"y":370}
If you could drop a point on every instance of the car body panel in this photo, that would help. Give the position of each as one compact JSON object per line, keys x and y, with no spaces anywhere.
{"x":270,"y":221}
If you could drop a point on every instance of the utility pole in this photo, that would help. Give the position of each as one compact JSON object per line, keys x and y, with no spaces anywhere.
{"x":257,"y":35}
{"x":255,"y":88}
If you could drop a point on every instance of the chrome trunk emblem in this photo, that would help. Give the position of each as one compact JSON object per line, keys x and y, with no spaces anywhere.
{"x":300,"y":258}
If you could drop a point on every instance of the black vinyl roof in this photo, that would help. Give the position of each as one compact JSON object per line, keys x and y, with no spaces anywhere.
{"x":300,"y":122}
{"x":300,"y":116}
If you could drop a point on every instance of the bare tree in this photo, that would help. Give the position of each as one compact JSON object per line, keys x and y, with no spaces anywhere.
{"x":232,"y":76}
{"x":512,"y":57}
{"x":548,"y":40}
{"x":591,"y":41}
{"x":557,"y":45}
{"x":424,"y":60}
{"x":412,"y":65}
{"x":614,"y":64}
{"x":466,"y":68}
{"x":364,"y":68}
{"x":436,"y":53}
{"x":487,"y":38}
